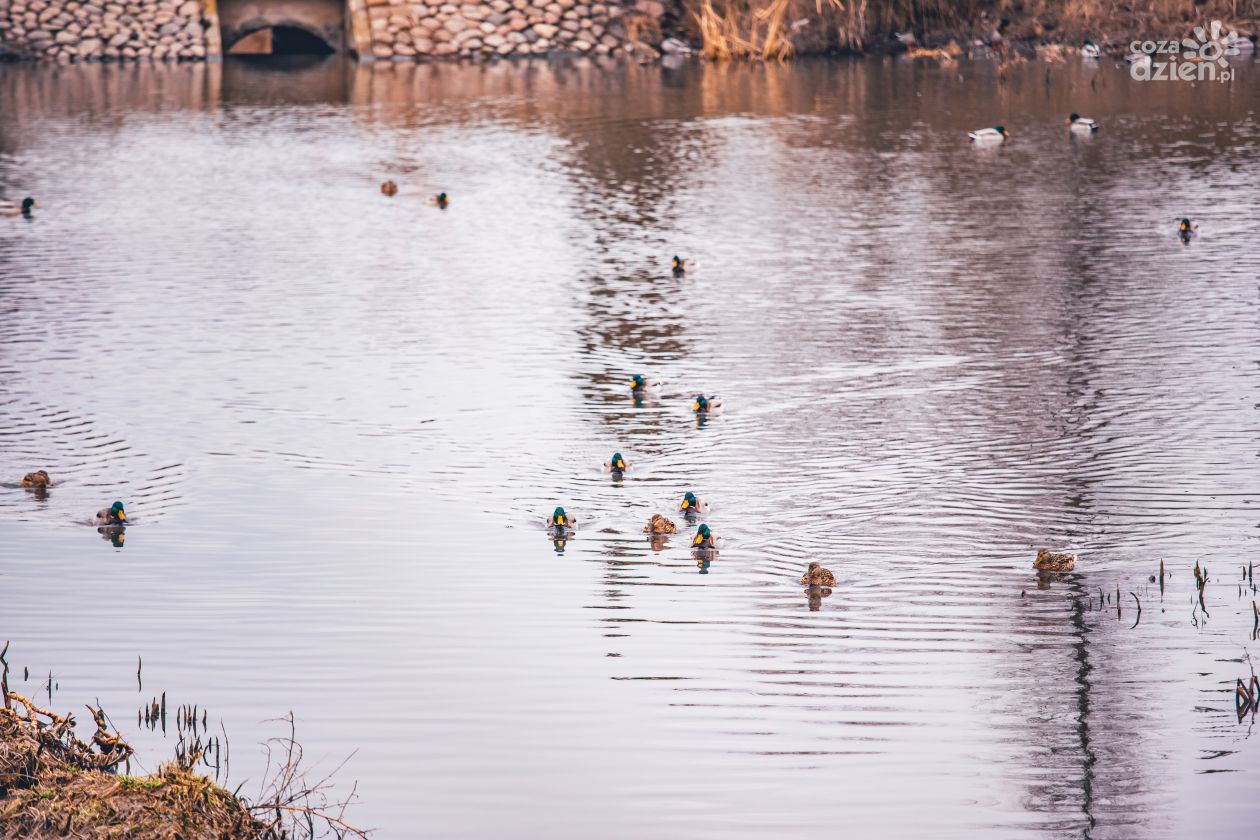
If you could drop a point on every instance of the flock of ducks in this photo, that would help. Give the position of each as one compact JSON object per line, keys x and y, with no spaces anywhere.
{"x":704,"y":543}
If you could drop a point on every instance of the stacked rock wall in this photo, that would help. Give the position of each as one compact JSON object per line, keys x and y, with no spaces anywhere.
{"x":399,"y":30}
{"x":404,"y":29}
{"x":93,"y":30}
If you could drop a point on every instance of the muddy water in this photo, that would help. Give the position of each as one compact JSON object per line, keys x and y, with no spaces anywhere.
{"x":338,"y":421}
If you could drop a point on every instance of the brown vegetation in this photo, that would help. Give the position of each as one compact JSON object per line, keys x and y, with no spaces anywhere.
{"x":778,"y":29}
{"x":54,"y":785}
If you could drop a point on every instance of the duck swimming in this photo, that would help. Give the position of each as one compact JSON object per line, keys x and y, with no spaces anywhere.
{"x":112,"y":515}
{"x":659,"y":525}
{"x":1187,"y":229}
{"x":679,"y":267}
{"x":560,"y":523}
{"x":641,"y":385}
{"x":389,"y":188}
{"x":441,"y":200}
{"x":706,"y":405}
{"x":1081,"y":125}
{"x":1054,"y":561}
{"x":12,"y":208}
{"x":616,"y":465}
{"x":39,"y":478}
{"x":997,"y":134}
{"x":816,"y":575}
{"x":1090,"y":52}
{"x":691,"y":505}
{"x":705,"y":540}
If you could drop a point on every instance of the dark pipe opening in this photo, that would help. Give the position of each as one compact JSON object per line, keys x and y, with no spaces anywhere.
{"x":289,"y":40}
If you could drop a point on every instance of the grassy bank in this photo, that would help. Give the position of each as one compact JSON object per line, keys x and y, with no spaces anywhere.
{"x":776,"y":29}
{"x":52,"y":784}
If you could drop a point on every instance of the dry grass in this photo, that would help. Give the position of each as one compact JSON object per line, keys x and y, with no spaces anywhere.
{"x":768,"y":29}
{"x":54,"y":785}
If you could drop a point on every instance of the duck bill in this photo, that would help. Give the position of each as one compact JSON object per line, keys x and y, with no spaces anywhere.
{"x":122,"y":517}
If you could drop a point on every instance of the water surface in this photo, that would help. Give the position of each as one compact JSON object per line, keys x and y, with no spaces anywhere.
{"x":338,"y":421}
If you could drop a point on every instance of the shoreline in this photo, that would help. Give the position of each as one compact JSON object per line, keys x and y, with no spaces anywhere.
{"x":638,"y":30}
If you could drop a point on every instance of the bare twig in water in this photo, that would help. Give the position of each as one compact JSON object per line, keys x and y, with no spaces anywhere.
{"x":1139,"y":609}
{"x":294,"y":804}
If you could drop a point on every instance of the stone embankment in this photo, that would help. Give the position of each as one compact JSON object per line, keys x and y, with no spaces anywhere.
{"x":68,"y":30}
{"x":499,"y":27}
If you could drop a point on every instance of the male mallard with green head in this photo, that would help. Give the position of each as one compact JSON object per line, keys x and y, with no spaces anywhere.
{"x":113,"y":515}
{"x":560,"y":522}
{"x":616,"y":465}
{"x":679,"y":266}
{"x":441,"y":200}
{"x":987,"y":136}
{"x":39,"y":478}
{"x":691,"y":505}
{"x":1054,"y":561}
{"x":705,"y":539}
{"x":12,"y":208}
{"x":816,"y":575}
{"x":706,"y":405}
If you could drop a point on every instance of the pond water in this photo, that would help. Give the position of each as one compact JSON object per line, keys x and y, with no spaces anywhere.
{"x":339,"y":421}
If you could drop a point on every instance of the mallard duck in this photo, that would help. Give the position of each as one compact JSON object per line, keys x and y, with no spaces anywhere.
{"x":706,"y":405}
{"x":389,"y":188}
{"x":673,"y":46}
{"x":997,"y":134}
{"x":1054,"y":561}
{"x":39,"y":478}
{"x":660,"y":525}
{"x":561,"y":523}
{"x":112,"y":515}
{"x":616,"y":465}
{"x":441,"y":200}
{"x":640,"y":384}
{"x":816,"y":575}
{"x":12,"y":208}
{"x":1187,"y":229}
{"x":705,"y":540}
{"x":1090,"y":51}
{"x":692,"y":505}
{"x":1081,"y":125}
{"x":679,"y":266}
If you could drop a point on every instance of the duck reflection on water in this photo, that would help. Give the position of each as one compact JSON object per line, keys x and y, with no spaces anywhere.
{"x":815,"y":595}
{"x":115,"y":535}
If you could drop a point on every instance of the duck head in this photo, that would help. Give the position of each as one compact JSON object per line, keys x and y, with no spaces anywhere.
{"x":1073,"y":118}
{"x":28,"y":204}
{"x":638,"y":382}
{"x":616,"y":462}
{"x":701,"y":403}
{"x":1001,"y":129}
{"x":702,"y":534}
{"x":442,"y":199}
{"x":116,"y":511}
{"x":1184,"y":227}
{"x":677,"y":263}
{"x":559,"y":517}
{"x":690,"y":502}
